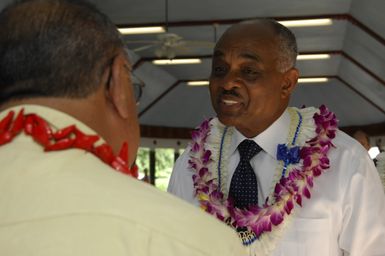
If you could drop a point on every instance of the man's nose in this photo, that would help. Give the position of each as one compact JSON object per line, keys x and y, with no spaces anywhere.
{"x":231,"y":81}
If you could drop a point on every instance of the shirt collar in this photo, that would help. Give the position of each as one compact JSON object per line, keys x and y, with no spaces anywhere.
{"x":55,"y":117}
{"x":269,"y":139}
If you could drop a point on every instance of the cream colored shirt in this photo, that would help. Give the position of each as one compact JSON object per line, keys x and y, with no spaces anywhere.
{"x":346,"y":213}
{"x":70,"y":203}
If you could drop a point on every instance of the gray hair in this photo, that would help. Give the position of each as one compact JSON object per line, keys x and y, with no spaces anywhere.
{"x":287,"y":46}
{"x":54,"y":48}
{"x":286,"y":43}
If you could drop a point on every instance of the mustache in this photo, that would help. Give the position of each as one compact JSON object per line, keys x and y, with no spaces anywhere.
{"x":231,"y":92}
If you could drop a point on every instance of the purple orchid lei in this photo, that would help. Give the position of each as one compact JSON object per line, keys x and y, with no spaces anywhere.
{"x":288,"y":191}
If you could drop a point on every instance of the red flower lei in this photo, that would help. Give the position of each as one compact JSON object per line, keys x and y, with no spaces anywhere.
{"x":68,"y":137}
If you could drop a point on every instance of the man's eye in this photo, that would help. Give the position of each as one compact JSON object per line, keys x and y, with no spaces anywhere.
{"x":249,"y":71}
{"x":219,"y":70}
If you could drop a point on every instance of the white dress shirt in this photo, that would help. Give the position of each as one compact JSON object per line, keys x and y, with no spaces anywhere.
{"x":346,"y":212}
{"x":69,"y":203}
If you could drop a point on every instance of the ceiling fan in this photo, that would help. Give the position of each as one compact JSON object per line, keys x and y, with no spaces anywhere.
{"x":168,"y":44}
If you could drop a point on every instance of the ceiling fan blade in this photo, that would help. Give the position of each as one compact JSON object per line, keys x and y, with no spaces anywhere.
{"x":183,"y":49}
{"x":141,"y":42}
{"x":142,"y":48}
{"x":165,"y":52}
{"x":205,"y":44}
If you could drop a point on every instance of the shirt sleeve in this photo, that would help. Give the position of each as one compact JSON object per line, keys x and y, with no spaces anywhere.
{"x":363,"y":225}
{"x":181,"y":183}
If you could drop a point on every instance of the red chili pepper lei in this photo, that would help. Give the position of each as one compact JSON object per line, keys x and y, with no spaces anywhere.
{"x":66,"y":138}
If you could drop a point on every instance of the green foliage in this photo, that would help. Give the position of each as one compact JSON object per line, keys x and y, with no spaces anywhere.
{"x":164,"y":158}
{"x":142,"y":159}
{"x":162,"y":179}
{"x":164,"y":161}
{"x":163,"y":167}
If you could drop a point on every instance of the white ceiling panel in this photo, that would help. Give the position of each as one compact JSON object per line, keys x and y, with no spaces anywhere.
{"x":355,"y":40}
{"x":185,"y":106}
{"x":370,"y":13}
{"x":363,"y":82}
{"x":344,"y":102}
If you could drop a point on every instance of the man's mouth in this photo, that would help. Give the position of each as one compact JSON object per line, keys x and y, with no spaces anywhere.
{"x":229,"y":102}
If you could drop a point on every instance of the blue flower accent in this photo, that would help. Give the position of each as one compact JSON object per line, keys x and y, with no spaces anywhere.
{"x":288,"y":155}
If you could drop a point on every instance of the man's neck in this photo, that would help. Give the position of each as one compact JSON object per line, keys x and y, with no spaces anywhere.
{"x":260,"y":127}
{"x":85,"y":110}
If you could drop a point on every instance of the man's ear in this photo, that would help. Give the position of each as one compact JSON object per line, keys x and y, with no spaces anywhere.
{"x":117,"y":91}
{"x":289,"y":82}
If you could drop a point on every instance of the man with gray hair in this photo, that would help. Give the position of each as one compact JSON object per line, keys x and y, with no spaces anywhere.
{"x":68,"y":135}
{"x":286,"y":179}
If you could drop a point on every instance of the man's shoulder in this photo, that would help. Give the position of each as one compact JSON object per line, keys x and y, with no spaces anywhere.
{"x":345,"y":143}
{"x":96,"y":233}
{"x":85,"y":186}
{"x":349,"y":157}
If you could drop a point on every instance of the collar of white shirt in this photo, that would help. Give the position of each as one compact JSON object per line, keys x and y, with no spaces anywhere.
{"x":268,"y":140}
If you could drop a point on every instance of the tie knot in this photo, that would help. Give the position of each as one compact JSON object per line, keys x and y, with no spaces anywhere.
{"x":248,"y":149}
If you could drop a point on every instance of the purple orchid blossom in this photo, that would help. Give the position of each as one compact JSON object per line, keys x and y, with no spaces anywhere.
{"x":288,"y":191}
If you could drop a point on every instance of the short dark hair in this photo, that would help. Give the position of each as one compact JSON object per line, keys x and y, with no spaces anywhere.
{"x":54,"y":48}
{"x":286,"y":43}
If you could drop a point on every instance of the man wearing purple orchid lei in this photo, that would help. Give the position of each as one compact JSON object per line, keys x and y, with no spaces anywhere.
{"x":286,"y":179}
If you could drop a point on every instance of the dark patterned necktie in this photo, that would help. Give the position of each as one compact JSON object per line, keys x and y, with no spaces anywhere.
{"x":244,"y":185}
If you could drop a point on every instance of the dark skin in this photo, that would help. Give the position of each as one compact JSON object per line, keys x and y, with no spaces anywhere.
{"x":110,"y":111}
{"x":247,"y":89}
